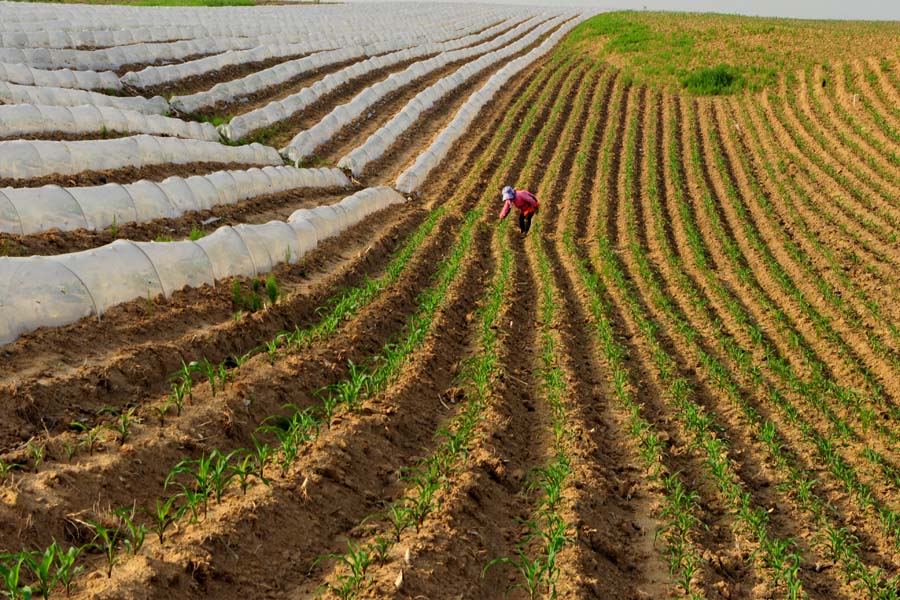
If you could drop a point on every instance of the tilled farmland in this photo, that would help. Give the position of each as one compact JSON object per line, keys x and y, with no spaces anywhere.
{"x":323,"y":368}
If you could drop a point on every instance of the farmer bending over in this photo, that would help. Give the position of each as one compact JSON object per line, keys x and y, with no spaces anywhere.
{"x":525,"y":201}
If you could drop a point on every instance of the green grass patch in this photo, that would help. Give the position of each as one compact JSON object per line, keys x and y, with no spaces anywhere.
{"x":195,"y":3}
{"x":715,"y":81}
{"x":712,"y":54}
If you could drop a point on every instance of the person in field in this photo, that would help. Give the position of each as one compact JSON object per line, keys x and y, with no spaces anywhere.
{"x":525,"y":201}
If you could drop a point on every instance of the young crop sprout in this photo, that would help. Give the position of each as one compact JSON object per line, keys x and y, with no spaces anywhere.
{"x":272,"y":291}
{"x":162,"y":409}
{"x":532,"y":571}
{"x":165,"y":513}
{"x":200,"y":473}
{"x":41,"y":566}
{"x":37,"y":455}
{"x":357,"y":560}
{"x":123,"y":422}
{"x":5,"y":469}
{"x":135,"y":532}
{"x":90,"y":435}
{"x":11,"y":572}
{"x":66,"y":569}
{"x":109,"y":541}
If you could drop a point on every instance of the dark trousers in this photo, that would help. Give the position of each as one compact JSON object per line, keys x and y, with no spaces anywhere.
{"x":525,"y":221}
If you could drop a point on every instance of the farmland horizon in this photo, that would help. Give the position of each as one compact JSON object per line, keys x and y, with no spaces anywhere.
{"x":868,"y":10}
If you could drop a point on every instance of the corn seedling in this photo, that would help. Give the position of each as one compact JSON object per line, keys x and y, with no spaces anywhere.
{"x":6,"y":468}
{"x":37,"y":455}
{"x":533,"y":572}
{"x":200,"y":476}
{"x":11,"y":571}
{"x":41,"y":566}
{"x":109,"y":541}
{"x":357,"y":560}
{"x":90,"y":435}
{"x":123,"y":422}
{"x":196,"y":233}
{"x":222,"y":473}
{"x":262,"y":453}
{"x":66,"y":568}
{"x":135,"y":532}
{"x":162,"y":409}
{"x":165,"y":513}
{"x":248,"y":467}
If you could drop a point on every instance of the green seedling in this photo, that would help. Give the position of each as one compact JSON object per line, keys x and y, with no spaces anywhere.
{"x":292,"y":433}
{"x":208,"y":369}
{"x":177,"y":396}
{"x":249,"y":467}
{"x":37,"y":455}
{"x":69,"y":449}
{"x":162,"y":409}
{"x":357,"y":560}
{"x":272,"y":291}
{"x":114,"y":227}
{"x":532,"y":571}
{"x":11,"y":572}
{"x":66,"y":568}
{"x":122,"y":424}
{"x":165,"y":514}
{"x":41,"y":566}
{"x":201,"y":483}
{"x":196,"y":233}
{"x":109,"y":539}
{"x":6,"y":468}
{"x":262,"y":453}
{"x":136,"y":532}
{"x":222,"y":473}
{"x":90,"y":435}
{"x":380,"y":548}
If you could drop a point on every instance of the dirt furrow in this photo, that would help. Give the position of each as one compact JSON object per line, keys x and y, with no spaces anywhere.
{"x":833,"y":216}
{"x":826,"y":173}
{"x":718,"y":540}
{"x":334,"y":475}
{"x":199,"y":83}
{"x":806,"y":226}
{"x":613,"y":554}
{"x":846,"y":147}
{"x":746,"y":225}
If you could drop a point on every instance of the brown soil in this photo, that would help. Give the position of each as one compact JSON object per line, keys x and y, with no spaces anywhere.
{"x":587,"y":153}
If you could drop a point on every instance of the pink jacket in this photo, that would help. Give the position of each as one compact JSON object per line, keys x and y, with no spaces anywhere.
{"x":525,"y":201}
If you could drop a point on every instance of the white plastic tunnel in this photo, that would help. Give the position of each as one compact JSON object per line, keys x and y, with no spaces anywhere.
{"x":52,"y":291}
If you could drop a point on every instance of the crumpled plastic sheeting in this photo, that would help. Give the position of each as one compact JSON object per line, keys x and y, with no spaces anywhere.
{"x":57,"y":290}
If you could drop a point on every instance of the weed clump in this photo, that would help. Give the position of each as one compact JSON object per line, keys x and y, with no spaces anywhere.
{"x":713,"y":81}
